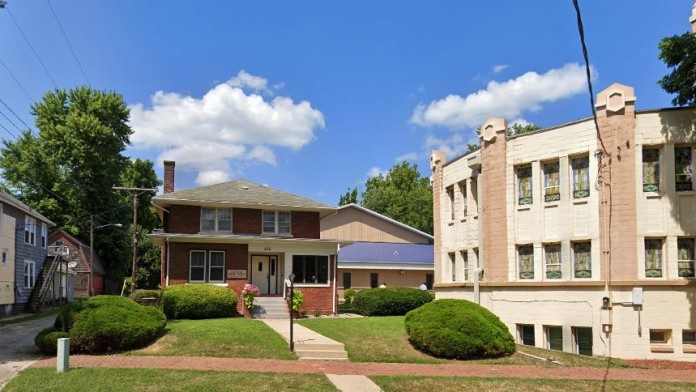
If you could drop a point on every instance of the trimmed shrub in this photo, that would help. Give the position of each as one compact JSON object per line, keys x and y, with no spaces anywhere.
{"x":198,"y":301}
{"x":349,"y":296}
{"x":390,"y":301}
{"x":458,"y":329}
{"x":105,"y":324}
{"x":140,"y":295}
{"x":47,"y":340}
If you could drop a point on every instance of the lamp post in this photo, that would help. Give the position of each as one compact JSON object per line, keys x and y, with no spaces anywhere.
{"x":91,"y":249}
{"x":292,"y":296}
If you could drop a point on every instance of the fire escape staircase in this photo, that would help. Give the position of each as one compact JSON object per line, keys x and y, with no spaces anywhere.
{"x":44,"y":282}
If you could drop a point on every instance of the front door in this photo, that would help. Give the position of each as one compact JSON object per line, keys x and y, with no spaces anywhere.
{"x":264,"y":273}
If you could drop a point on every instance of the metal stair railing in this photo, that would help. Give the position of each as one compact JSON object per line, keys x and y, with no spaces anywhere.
{"x":45,"y":280}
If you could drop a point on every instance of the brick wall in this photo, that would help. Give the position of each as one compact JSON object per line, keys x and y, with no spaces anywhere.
{"x":305,"y":224}
{"x":183,"y":219}
{"x":319,"y":298}
{"x":246,"y":221}
{"x":236,"y":257}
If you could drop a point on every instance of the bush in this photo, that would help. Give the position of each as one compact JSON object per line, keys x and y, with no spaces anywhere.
{"x":297,"y":299}
{"x":198,"y":301}
{"x":458,"y":329}
{"x":47,"y":340}
{"x":140,"y":295}
{"x":104,"y":324}
{"x":390,"y":301}
{"x":349,"y":296}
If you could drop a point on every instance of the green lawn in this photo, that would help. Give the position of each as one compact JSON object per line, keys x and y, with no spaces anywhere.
{"x":226,"y":337}
{"x":384,"y":339}
{"x":447,"y":384}
{"x":153,"y":380}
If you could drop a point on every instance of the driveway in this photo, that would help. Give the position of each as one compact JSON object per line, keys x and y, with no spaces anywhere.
{"x":17,"y":350}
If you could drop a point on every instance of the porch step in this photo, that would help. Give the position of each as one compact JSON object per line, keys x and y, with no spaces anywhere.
{"x":270,"y":308}
{"x":322,"y":354}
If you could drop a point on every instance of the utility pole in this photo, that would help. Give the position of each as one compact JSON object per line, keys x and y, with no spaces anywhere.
{"x":135,"y":225}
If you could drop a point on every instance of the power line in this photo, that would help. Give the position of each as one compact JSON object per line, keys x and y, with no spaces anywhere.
{"x":68,"y":41}
{"x":16,"y":81}
{"x":15,"y":114}
{"x":10,"y":121}
{"x":32,"y":48}
{"x":8,"y":131}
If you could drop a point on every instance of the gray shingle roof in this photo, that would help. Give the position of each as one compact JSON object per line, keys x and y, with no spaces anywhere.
{"x":241,"y":193}
{"x":6,"y":198}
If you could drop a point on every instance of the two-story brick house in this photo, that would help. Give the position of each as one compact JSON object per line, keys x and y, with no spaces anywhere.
{"x":239,"y":232}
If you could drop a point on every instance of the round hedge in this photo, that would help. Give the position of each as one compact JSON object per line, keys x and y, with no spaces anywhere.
{"x":458,"y":329}
{"x":103,"y":324}
{"x":140,"y":295}
{"x":389,"y":301}
{"x":198,"y":301}
{"x":47,"y":340}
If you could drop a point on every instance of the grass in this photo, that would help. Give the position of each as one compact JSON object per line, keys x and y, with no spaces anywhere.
{"x":384,"y":339}
{"x":225,"y":337}
{"x":30,"y":317}
{"x":153,"y":380}
{"x":447,"y":384}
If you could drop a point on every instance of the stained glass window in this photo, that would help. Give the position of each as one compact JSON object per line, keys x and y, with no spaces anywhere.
{"x":651,"y":170}
{"x":582,"y":259}
{"x":653,"y":258}
{"x":682,"y":168}
{"x":524,"y":185}
{"x":553,"y":261}
{"x":552,"y":190}
{"x":526,"y":260}
{"x":581,"y":177}
{"x":685,"y":257}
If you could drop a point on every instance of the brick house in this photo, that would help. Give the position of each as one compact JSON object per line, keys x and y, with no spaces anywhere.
{"x":239,"y":232}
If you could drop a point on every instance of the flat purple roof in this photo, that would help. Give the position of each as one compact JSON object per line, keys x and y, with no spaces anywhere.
{"x":382,"y":252}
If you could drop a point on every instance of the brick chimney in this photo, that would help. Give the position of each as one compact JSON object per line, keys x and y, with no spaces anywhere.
{"x":169,"y":176}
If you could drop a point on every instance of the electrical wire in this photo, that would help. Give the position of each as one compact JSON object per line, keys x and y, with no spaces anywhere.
{"x":10,"y":121}
{"x":68,"y":41}
{"x":8,"y":131}
{"x":16,"y":81}
{"x":15,"y":114}
{"x":32,"y":48}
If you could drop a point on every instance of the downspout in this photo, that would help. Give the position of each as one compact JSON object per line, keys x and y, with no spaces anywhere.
{"x":479,"y":210}
{"x":167,"y":277}
{"x":335,"y":290}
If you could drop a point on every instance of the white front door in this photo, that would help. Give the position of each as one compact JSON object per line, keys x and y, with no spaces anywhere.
{"x":264,"y":273}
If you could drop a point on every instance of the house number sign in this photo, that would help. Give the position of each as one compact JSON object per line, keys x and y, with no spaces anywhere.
{"x":236,"y":274}
{"x":267,"y":248}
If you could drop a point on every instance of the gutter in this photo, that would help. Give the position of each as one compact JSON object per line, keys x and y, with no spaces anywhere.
{"x":166,"y":279}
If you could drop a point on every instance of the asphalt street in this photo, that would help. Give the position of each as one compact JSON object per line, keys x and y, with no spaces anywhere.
{"x":17,"y":350}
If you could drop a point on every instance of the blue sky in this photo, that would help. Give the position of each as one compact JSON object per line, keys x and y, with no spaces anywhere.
{"x":314,"y":97}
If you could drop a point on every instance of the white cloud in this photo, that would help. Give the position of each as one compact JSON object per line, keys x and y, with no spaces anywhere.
{"x":409,"y":156}
{"x":499,"y":68}
{"x":212,"y":177}
{"x":503,"y":99}
{"x":229,"y":122}
{"x":375,"y":171}
{"x":453,"y":146}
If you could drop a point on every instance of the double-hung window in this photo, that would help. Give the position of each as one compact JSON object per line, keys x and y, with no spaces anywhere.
{"x":29,"y":274}
{"x":653,"y":258}
{"x":453,"y":266}
{"x":462,"y":190}
{"x":465,"y":263}
{"x":312,"y":269}
{"x":44,"y":235}
{"x":552,"y":190}
{"x":582,"y":259}
{"x":524,"y":185}
{"x":682,"y":169}
{"x":216,"y":219}
{"x":651,"y":170}
{"x":581,"y":177}
{"x":207,"y":266}
{"x":685,"y":257}
{"x":553,"y":261}
{"x":29,"y":230}
{"x":277,"y":222}
{"x":525,"y":255}
{"x":450,"y":195}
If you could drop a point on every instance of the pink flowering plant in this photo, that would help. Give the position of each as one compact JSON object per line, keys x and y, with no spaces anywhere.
{"x":249,"y":293}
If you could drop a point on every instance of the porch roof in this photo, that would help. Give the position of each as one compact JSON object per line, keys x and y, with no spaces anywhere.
{"x":160,"y":238}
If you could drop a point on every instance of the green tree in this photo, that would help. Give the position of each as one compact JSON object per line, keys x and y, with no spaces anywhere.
{"x":350,"y":197}
{"x":66,"y":172}
{"x":402,"y":195}
{"x":679,"y":54}
{"x":519,"y":129}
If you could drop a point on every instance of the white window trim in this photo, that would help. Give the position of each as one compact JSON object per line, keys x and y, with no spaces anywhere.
{"x":31,"y":274}
{"x":30,"y":229}
{"x":191,"y":252}
{"x":217,"y":220}
{"x":275,"y":222}
{"x":210,"y":267}
{"x":44,"y":235}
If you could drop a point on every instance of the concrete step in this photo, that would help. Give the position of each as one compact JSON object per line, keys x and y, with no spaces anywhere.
{"x":319,"y":346}
{"x":321,"y":354}
{"x":274,"y":316}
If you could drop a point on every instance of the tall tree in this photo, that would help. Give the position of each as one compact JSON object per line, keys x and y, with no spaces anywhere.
{"x":402,"y":195}
{"x":679,"y":53}
{"x":350,"y":197}
{"x":66,"y":172}
{"x":519,"y":129}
